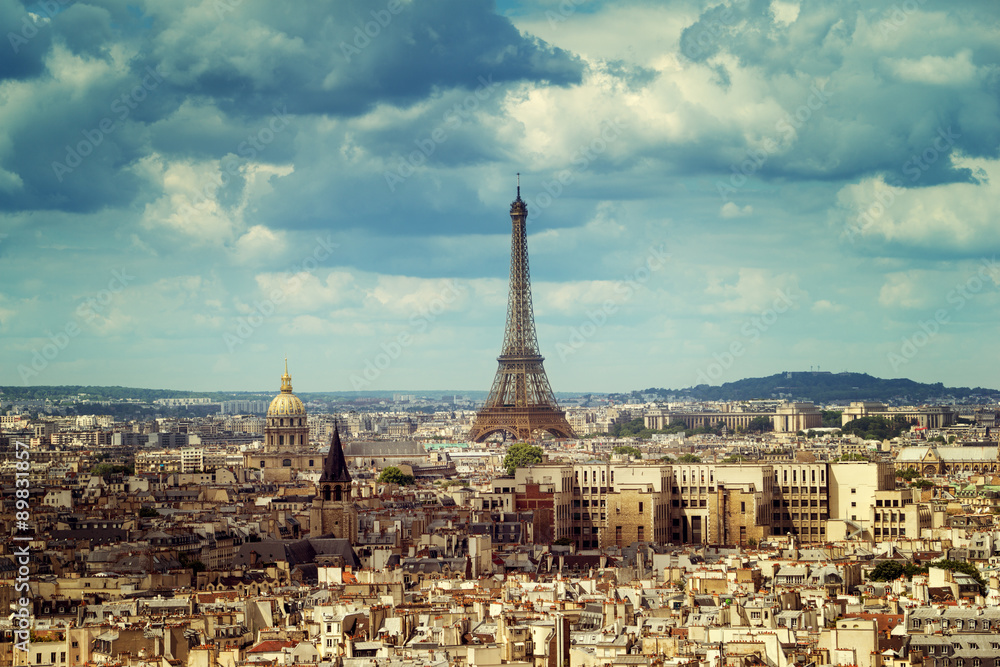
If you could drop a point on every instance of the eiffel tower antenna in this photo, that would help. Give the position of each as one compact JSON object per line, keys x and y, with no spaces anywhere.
{"x":520,"y":401}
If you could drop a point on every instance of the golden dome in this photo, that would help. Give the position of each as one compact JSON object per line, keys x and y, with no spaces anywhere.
{"x":286,"y":403}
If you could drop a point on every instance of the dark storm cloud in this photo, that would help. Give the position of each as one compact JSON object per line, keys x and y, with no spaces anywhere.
{"x":219,"y":71}
{"x":342,"y":58}
{"x":25,"y":42}
{"x":894,"y":93}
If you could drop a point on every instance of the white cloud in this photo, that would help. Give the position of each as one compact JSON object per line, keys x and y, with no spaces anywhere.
{"x":937,"y":70}
{"x":731,"y":210}
{"x":826,"y":306}
{"x":784,"y":12}
{"x":955,"y":216}
{"x":752,"y":291}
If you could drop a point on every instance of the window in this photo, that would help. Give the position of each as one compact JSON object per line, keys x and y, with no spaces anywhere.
{"x":642,"y":533}
{"x":640,"y":507}
{"x":854,"y":504}
{"x":854,"y":490}
{"x":743,"y":508}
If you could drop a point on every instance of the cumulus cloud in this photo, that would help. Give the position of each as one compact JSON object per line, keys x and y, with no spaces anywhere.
{"x":954,"y":217}
{"x":232,"y":135}
{"x":731,"y":210}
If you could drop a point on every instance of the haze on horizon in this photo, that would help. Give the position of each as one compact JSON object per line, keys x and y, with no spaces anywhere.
{"x":192,"y":191}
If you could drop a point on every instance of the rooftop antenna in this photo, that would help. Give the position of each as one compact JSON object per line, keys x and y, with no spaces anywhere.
{"x":518,"y":185}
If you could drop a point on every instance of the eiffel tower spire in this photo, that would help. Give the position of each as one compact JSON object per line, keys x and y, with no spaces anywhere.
{"x":521,"y":401}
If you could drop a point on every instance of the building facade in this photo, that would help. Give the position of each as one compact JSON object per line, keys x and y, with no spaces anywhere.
{"x":598,"y":504}
{"x":786,"y":418}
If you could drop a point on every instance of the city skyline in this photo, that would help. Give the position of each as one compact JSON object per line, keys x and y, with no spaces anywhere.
{"x":191,"y":193}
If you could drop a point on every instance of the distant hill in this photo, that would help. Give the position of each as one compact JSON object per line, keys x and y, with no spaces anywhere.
{"x":827,"y":387}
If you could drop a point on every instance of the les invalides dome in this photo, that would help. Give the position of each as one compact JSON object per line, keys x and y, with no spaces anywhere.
{"x":287,"y":428}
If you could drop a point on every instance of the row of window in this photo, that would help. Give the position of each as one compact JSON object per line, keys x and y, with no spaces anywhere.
{"x":797,"y":477}
{"x":795,"y":502}
{"x":959,"y":624}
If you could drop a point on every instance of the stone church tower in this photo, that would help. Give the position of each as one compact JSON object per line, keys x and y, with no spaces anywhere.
{"x":333,"y":513}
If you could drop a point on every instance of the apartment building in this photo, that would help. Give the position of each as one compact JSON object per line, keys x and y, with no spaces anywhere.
{"x":599,"y":504}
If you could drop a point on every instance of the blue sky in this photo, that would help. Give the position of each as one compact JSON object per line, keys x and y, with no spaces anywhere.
{"x":191,"y":191}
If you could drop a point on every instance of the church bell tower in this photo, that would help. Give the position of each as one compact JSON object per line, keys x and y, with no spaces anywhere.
{"x":333,"y":513}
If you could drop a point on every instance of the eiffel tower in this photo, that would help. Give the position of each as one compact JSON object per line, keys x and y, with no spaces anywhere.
{"x":521,"y":401}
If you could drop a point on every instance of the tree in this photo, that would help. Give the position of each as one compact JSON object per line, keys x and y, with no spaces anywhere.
{"x":760,"y":425}
{"x":688,"y":458}
{"x":887,"y":570}
{"x":908,"y":475}
{"x":148,"y":511}
{"x":876,"y":428}
{"x":831,"y":418}
{"x":521,"y":455}
{"x":106,"y":469}
{"x":890,"y":570}
{"x":193,"y":563}
{"x":393,"y":475}
{"x":628,"y":428}
{"x":628,"y":451}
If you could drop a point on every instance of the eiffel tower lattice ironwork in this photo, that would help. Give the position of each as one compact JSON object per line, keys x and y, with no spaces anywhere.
{"x":521,"y":401}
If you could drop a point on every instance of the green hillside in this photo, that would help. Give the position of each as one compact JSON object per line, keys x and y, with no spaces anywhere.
{"x":826,"y":387}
